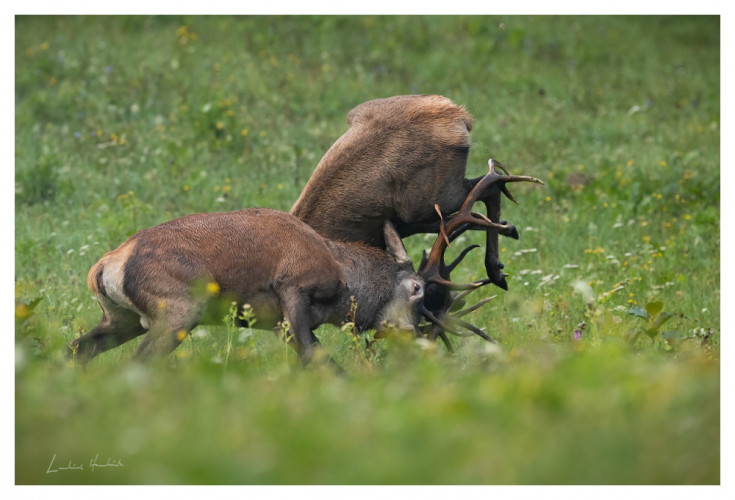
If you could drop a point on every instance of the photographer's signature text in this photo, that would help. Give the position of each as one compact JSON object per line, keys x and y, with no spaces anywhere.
{"x":93,"y":464}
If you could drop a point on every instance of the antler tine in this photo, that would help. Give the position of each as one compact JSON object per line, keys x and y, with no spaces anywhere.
{"x":440,"y":333}
{"x":470,"y":309}
{"x":457,"y":300}
{"x":461,"y":256}
{"x":449,"y":326}
{"x":504,"y":190}
{"x":433,"y":319}
{"x":473,"y":329}
{"x":444,"y":327}
{"x":493,"y":177}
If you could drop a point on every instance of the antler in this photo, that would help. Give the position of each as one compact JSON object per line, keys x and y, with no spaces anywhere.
{"x":436,"y":272}
{"x":464,"y":217}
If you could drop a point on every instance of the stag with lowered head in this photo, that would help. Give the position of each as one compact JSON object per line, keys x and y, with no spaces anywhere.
{"x":152,"y":283}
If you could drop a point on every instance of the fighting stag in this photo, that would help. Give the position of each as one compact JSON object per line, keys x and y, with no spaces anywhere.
{"x":162,"y":280}
{"x":399,"y":158}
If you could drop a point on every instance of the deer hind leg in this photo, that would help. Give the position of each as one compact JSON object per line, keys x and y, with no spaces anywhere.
{"x":161,"y":340}
{"x":158,"y":343}
{"x":118,"y":326}
{"x":168,"y":329}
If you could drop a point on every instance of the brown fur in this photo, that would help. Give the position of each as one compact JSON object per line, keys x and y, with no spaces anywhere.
{"x":161,"y":280}
{"x":399,"y":158}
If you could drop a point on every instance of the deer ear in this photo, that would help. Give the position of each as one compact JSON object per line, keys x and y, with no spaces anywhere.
{"x":393,"y":243}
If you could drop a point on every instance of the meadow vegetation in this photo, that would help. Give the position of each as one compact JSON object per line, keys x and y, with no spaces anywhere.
{"x":607,"y":368}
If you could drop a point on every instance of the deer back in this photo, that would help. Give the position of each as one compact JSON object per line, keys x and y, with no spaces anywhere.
{"x":400,"y":156}
{"x":248,"y":253}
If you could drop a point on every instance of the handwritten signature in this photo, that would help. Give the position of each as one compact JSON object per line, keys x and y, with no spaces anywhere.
{"x":93,"y":464}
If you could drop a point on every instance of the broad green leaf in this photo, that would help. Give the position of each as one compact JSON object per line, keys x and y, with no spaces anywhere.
{"x":653,"y":308}
{"x":672,"y":337}
{"x":637,"y":311}
{"x":661,"y":319}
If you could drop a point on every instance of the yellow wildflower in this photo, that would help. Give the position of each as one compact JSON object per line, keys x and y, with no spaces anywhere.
{"x":22,"y":311}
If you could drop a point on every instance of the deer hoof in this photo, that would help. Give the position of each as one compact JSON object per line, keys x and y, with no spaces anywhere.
{"x":510,"y":232}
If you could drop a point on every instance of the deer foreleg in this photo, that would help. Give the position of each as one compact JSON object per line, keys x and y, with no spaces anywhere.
{"x":493,"y":266}
{"x":491,"y":198}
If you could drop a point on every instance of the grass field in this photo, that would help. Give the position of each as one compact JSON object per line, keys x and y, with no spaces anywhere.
{"x":123,"y":123}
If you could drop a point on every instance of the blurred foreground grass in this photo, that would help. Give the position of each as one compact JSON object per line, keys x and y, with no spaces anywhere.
{"x":125,"y":122}
{"x":543,"y":416}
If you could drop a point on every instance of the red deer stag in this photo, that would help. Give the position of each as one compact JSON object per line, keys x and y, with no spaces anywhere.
{"x":266,"y":258}
{"x":399,"y":158}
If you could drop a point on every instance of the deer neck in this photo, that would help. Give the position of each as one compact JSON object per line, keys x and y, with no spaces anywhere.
{"x":370,"y":274}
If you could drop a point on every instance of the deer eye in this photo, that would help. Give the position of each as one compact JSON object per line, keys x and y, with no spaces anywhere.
{"x":417,"y":288}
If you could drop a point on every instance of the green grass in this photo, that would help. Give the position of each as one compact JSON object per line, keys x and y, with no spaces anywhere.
{"x":123,"y":123}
